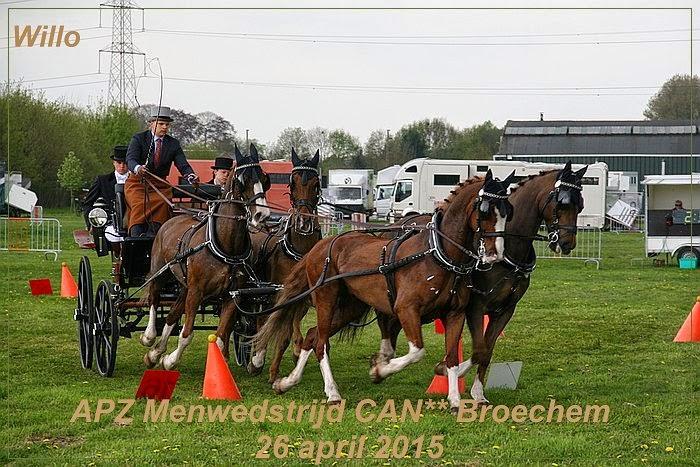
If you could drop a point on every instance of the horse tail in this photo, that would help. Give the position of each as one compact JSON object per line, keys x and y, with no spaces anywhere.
{"x":278,"y":326}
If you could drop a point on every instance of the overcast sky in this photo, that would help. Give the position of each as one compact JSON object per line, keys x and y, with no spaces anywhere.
{"x":362,"y":70}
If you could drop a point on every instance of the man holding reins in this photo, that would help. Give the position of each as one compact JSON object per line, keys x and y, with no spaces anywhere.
{"x":152,"y":152}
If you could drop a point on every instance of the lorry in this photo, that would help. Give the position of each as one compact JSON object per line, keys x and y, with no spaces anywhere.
{"x":421,"y":184}
{"x":15,"y":196}
{"x":384,"y":191}
{"x":350,"y":190}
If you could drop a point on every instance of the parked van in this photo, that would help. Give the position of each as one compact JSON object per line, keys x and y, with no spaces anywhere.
{"x":384,"y":191}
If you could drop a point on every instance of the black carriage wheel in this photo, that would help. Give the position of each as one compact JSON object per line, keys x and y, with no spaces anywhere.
{"x":243,"y":331}
{"x":85,"y":312}
{"x":105,"y":330}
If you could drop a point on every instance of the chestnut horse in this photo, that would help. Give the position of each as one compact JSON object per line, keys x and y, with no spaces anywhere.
{"x":276,"y":252}
{"x":553,"y":197}
{"x":469,"y":220}
{"x":205,"y":257}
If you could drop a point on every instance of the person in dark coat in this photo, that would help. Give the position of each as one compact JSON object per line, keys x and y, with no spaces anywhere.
{"x":103,"y":186}
{"x":222,"y":169}
{"x":153,"y":152}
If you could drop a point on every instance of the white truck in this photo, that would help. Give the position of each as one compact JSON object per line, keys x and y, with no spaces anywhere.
{"x":384,"y":191}
{"x":423,"y":183}
{"x":351,"y":190}
{"x":16,"y":194}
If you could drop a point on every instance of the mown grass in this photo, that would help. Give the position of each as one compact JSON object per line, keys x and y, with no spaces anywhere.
{"x":585,"y":336}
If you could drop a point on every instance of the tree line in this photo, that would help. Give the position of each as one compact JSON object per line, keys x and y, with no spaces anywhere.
{"x":43,"y":134}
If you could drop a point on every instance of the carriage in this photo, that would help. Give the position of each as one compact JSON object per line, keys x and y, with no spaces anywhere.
{"x":115,"y":309}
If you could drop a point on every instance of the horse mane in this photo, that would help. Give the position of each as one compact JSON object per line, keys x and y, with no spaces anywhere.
{"x":531,"y":177}
{"x":460,"y":187}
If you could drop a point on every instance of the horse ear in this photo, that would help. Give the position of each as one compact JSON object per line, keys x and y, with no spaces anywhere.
{"x":238,"y":154}
{"x":510,"y":179}
{"x":580,"y":173}
{"x":314,"y":161}
{"x":295,"y":159}
{"x":489,"y":176}
{"x":254,"y":152}
{"x":567,"y":167}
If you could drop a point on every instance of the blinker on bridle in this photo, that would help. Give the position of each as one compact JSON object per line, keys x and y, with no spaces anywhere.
{"x":299,"y":203}
{"x":554,"y":227}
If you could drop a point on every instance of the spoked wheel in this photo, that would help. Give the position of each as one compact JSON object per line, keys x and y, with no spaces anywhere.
{"x":105,"y":330}
{"x":243,"y":331}
{"x":85,"y":312}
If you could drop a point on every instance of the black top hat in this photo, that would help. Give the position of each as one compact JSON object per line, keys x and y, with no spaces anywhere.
{"x":225,"y":163}
{"x":119,"y":153}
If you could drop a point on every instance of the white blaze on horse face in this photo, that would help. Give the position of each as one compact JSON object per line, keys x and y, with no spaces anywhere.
{"x":329,"y":385}
{"x":500,"y":227}
{"x":260,"y":209}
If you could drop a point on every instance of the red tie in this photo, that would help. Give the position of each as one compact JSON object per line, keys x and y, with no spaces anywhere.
{"x":156,"y":157}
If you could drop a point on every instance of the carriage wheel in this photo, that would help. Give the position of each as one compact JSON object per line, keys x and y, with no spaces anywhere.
{"x":85,"y":312}
{"x":105,"y":330}
{"x":243,"y":331}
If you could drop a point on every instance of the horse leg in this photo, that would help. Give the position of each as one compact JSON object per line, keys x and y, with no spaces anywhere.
{"x":297,"y":338}
{"x":387,"y":345}
{"x":148,"y":337}
{"x":285,"y":384}
{"x":281,"y":347}
{"x":257,"y":362}
{"x":496,"y":325}
{"x":475,"y":321}
{"x":223,"y":331}
{"x":454,"y":322}
{"x":152,"y":357}
{"x":409,"y":318}
{"x":192,"y":302}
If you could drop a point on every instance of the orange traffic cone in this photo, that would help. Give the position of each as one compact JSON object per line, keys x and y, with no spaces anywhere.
{"x":439,"y":327}
{"x":690,"y":330}
{"x":69,"y":289}
{"x":218,"y":380}
{"x":439,"y":383}
{"x":486,"y":323}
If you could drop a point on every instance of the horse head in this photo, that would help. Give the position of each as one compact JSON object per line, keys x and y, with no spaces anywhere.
{"x":251,"y":182}
{"x":564,"y":204}
{"x":304,"y":192}
{"x":491,"y":210}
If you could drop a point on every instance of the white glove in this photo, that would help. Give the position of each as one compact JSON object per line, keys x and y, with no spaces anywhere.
{"x":192,"y":179}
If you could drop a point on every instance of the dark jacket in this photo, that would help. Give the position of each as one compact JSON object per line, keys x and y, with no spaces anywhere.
{"x":141,"y":146}
{"x":102,"y":187}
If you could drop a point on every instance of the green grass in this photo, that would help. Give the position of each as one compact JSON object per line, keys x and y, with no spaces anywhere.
{"x":585,"y":336}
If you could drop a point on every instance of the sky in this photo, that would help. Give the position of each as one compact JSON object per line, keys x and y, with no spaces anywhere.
{"x":363,"y":70}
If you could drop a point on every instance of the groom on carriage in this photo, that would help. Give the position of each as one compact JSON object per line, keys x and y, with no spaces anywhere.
{"x":152,"y":152}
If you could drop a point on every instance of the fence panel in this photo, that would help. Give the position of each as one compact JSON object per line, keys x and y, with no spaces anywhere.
{"x":31,"y":234}
{"x":588,"y":246}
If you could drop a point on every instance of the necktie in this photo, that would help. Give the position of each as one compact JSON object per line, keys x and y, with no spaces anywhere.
{"x":156,"y":156}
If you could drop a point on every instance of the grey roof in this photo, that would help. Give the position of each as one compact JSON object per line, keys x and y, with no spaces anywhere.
{"x":599,"y":137}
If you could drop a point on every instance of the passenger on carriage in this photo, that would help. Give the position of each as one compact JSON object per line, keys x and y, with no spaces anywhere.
{"x":104,"y":187}
{"x":222,"y":169}
{"x":153,"y":152}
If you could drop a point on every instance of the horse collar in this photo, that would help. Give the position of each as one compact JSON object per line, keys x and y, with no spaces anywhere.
{"x":439,"y":254}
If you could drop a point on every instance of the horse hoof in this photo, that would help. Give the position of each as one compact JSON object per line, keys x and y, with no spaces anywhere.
{"x":147,"y":361}
{"x":454,"y":410}
{"x":439,"y":369}
{"x":273,"y":377}
{"x":483,"y":401}
{"x":374,"y":374}
{"x":147,"y":341}
{"x":335,"y":400}
{"x":277,"y":387}
{"x":166,"y":363}
{"x":253,"y":370}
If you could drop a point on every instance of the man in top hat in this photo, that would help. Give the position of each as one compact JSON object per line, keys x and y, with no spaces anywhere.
{"x":153,"y":152}
{"x":103,"y":186}
{"x":222,"y":169}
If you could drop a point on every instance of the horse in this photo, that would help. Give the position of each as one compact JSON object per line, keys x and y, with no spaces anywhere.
{"x":206,"y":257}
{"x":276,"y":252}
{"x":551,"y":196}
{"x":469,"y":220}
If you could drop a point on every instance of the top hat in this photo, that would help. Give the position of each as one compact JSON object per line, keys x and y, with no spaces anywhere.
{"x":161,"y":113}
{"x":225,"y":163}
{"x":119,"y":153}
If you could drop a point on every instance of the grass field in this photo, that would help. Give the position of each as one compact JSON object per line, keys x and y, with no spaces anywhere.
{"x":585,"y":336}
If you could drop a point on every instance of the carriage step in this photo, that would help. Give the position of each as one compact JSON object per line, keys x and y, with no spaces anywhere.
{"x":255,"y":291}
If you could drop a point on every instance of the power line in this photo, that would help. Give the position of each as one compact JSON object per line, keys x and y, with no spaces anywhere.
{"x":72,"y":84}
{"x":59,"y":77}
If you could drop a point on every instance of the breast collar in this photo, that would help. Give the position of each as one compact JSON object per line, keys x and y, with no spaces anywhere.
{"x":439,"y":254}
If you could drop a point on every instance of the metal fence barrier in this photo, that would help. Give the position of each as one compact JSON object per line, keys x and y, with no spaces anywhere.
{"x":589,"y":241}
{"x":31,"y":234}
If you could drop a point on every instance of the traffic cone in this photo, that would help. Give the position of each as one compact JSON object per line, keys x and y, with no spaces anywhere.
{"x":218,"y":380}
{"x":69,"y":289}
{"x":439,"y":383}
{"x":486,"y":323}
{"x":690,"y":330}
{"x":439,"y":327}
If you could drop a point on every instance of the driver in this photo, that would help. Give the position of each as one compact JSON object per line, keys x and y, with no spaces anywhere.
{"x":154,"y":151}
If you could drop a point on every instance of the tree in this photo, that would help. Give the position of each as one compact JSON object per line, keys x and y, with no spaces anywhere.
{"x":673,"y":101}
{"x":70,"y":174}
{"x":343,"y":145}
{"x":290,"y":137}
{"x":215,"y":131}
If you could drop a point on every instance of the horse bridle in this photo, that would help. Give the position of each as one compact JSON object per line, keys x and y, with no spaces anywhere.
{"x":308,"y":203}
{"x":256,"y":196}
{"x":485,"y":196}
{"x":554,"y":227}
